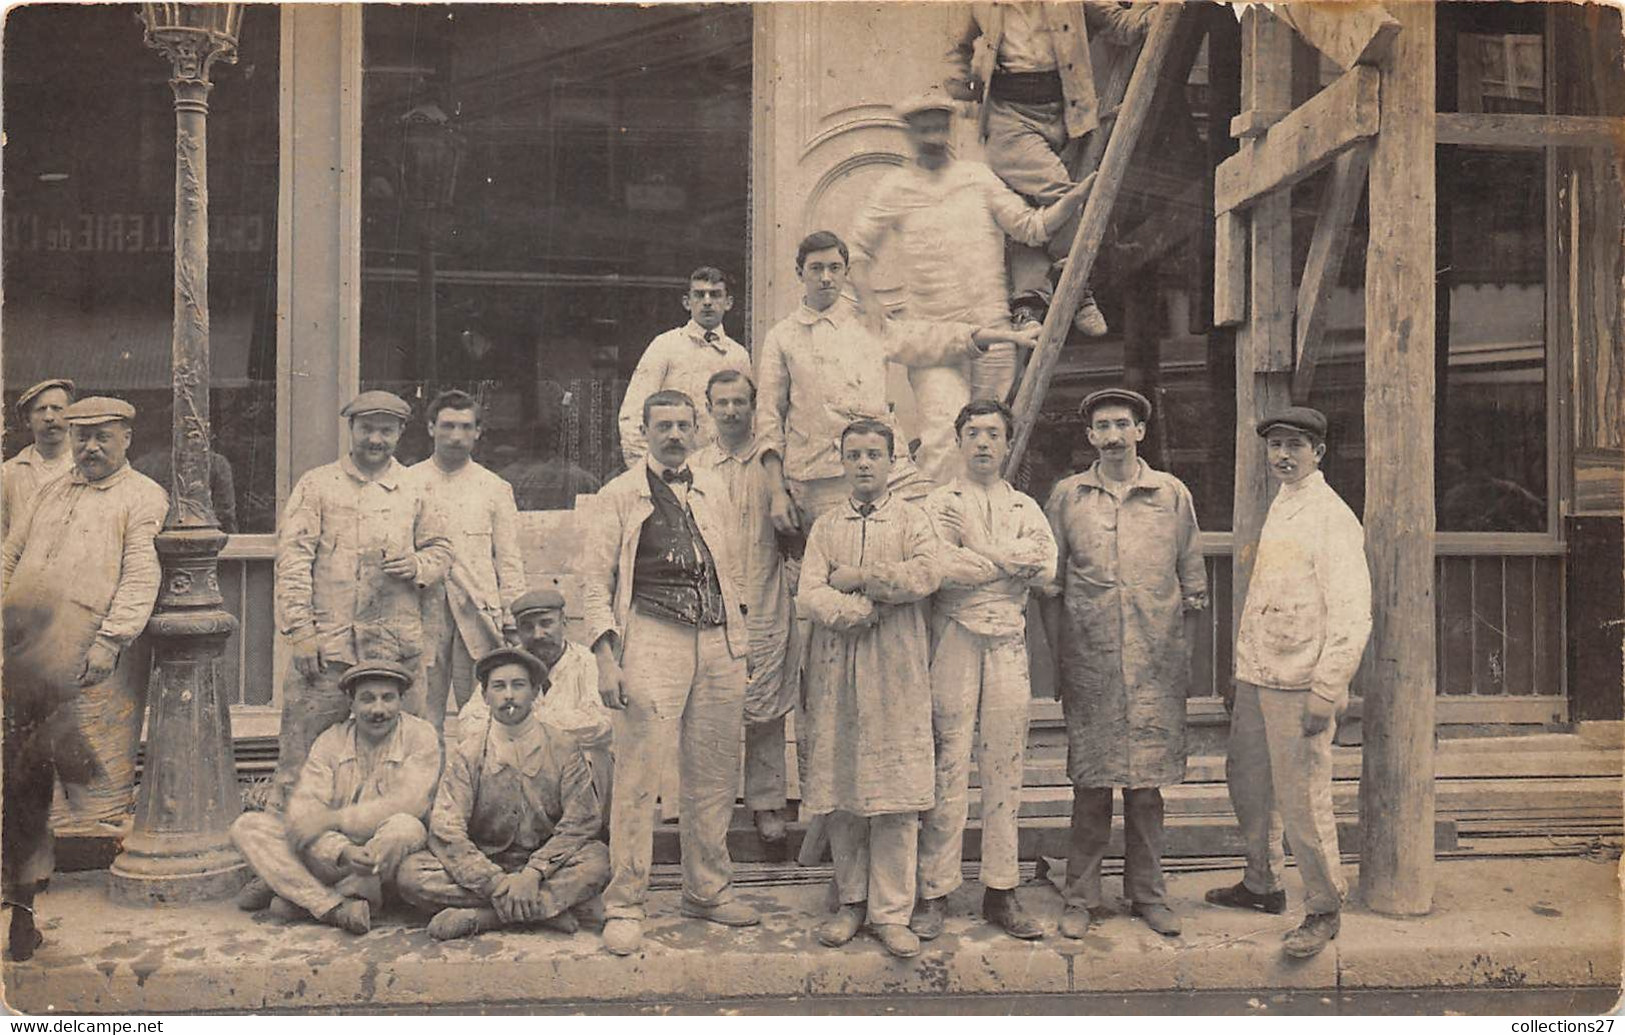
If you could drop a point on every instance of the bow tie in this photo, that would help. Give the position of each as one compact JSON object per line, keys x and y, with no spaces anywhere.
{"x":685,"y":476}
{"x":710,"y":337}
{"x":864,"y":509}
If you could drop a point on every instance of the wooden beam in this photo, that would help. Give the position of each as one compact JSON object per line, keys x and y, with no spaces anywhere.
{"x":1316,"y":132}
{"x":1097,"y":212}
{"x":1325,"y":261}
{"x":1396,"y":786}
{"x":1531,"y":130}
{"x":1229,"y":269}
{"x":1265,"y":97}
{"x":1176,"y":220}
{"x":1350,"y":32}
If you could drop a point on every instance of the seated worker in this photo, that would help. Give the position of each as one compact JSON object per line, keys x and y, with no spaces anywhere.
{"x":511,"y":831}
{"x":569,"y":695}
{"x":356,"y":811}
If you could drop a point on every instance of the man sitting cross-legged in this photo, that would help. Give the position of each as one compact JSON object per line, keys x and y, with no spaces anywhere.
{"x":511,"y":831}
{"x":356,"y":810}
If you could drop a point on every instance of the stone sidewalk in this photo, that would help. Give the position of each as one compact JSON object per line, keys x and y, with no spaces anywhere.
{"x":1498,"y":923}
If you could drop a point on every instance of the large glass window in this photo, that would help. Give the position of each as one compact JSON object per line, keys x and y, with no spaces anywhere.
{"x":538,"y":183}
{"x":89,"y":225}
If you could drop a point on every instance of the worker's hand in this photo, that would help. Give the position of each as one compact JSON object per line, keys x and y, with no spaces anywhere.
{"x":994,"y":333}
{"x":1317,"y":713}
{"x":847,"y":579}
{"x":951,"y":521}
{"x":99,"y":662}
{"x":502,"y":899}
{"x":403,"y":567}
{"x":359,"y":860}
{"x":306,"y":655}
{"x":308,"y":825}
{"x":1074,"y":199}
{"x":611,"y":683}
{"x":782,"y":510}
{"x":1195,"y":601}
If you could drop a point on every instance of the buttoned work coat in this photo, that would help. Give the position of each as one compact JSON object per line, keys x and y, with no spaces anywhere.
{"x":1126,"y":566}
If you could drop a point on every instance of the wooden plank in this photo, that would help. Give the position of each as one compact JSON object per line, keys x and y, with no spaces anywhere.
{"x":1350,"y":32}
{"x":1397,"y":807}
{"x":1508,"y":130}
{"x":1229,"y":269}
{"x":1316,"y":132}
{"x":1548,"y":636}
{"x":1518,"y":588}
{"x":1097,"y":212}
{"x":1325,"y":262}
{"x":1266,"y":97}
{"x":1489,"y":628}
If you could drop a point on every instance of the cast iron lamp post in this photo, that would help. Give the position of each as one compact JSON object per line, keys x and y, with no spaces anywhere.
{"x":430,"y":151}
{"x":179,"y":848}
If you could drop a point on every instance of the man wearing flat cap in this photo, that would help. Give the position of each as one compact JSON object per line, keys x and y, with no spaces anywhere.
{"x":569,"y":696}
{"x":1130,"y":568}
{"x":42,"y":407}
{"x":949,"y":219}
{"x":81,"y":559}
{"x":356,"y":812}
{"x":1302,"y":632}
{"x":512,"y":831}
{"x":356,"y":547}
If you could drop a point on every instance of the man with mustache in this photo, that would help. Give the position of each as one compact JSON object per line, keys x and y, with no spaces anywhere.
{"x":1302,"y":632}
{"x":466,"y":615}
{"x":774,"y":650}
{"x":81,"y":577}
{"x":684,"y":359}
{"x":569,"y":698}
{"x":996,"y":547}
{"x":1130,"y":567}
{"x":357,"y":810}
{"x":663,"y":613}
{"x":949,"y":219}
{"x":41,"y":407}
{"x":511,"y":834}
{"x":356,"y":547}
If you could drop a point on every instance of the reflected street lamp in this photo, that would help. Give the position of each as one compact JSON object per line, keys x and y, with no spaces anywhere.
{"x":431,"y":149}
{"x":179,"y":848}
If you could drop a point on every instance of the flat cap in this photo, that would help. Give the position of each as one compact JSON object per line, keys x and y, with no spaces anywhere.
{"x":1302,"y":418}
{"x":98,"y":409}
{"x":375,"y":669}
{"x":33,"y":391}
{"x":377,"y":402}
{"x":538,"y":600}
{"x":1118,"y":397}
{"x":511,"y":656}
{"x":929,"y":100}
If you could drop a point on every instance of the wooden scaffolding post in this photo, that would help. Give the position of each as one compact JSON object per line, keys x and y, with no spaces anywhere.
{"x":1264,"y":360}
{"x":1396,"y":783}
{"x":1131,"y":119}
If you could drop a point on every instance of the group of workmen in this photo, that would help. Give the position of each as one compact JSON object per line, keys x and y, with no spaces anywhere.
{"x":773,"y":548}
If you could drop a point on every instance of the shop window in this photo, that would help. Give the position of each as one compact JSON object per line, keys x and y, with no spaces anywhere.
{"x":588,"y":158}
{"x":88,"y":235}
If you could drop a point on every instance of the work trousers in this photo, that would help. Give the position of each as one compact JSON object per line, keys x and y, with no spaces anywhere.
{"x":1092,"y":833}
{"x":320,"y":885}
{"x":978,"y":684}
{"x":309,"y":706}
{"x":875,"y":859}
{"x":109,"y":713}
{"x":764,"y":765}
{"x":1281,"y":779}
{"x":425,"y":884}
{"x":939,"y":394}
{"x":1027,"y":146}
{"x":449,"y":674}
{"x":27,"y":846}
{"x":684,"y":689}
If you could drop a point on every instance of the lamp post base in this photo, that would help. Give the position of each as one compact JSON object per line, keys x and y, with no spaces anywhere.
{"x":170,"y":870}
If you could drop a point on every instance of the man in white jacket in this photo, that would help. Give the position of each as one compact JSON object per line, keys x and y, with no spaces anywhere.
{"x":1303,"y":630}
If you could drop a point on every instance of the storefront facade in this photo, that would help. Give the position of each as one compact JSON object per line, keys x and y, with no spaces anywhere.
{"x":592,"y":156}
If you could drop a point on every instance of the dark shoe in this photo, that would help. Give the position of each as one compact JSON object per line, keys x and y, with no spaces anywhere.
{"x":1311,"y":936}
{"x":728,"y":914}
{"x":840,"y":928}
{"x":451,"y":923}
{"x":622,"y":935}
{"x":1158,"y":917}
{"x":1089,"y":319}
{"x":353,"y":915}
{"x":930,"y":914}
{"x":282,"y":909}
{"x":254,"y":896}
{"x":1075,"y":922}
{"x":770,"y":826}
{"x":898,"y":940}
{"x":1001,"y":908}
{"x":1242,"y":897}
{"x":22,"y":937}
